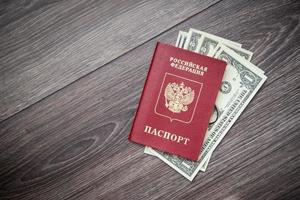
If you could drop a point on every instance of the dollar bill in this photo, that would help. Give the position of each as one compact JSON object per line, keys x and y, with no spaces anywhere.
{"x":192,"y":41}
{"x":206,"y":44}
{"x":195,"y":38}
{"x":179,"y":38}
{"x":240,"y":83}
{"x":182,"y":36}
{"x":183,"y":40}
{"x":243,"y":53}
{"x":209,"y":45}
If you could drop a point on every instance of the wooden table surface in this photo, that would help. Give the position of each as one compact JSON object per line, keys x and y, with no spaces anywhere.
{"x":71,"y":76}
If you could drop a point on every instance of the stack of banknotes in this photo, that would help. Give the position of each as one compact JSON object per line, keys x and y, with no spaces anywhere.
{"x":240,"y":83}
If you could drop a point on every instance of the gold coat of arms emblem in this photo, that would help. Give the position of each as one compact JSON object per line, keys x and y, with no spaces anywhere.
{"x":178,"y":97}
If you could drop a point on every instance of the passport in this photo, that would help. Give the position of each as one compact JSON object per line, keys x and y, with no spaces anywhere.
{"x":177,"y":101}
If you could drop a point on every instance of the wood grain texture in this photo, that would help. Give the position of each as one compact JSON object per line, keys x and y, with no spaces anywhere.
{"x":73,"y":144}
{"x":46,"y":45}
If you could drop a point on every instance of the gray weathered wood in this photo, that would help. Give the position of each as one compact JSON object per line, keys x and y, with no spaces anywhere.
{"x":73,"y":144}
{"x":48,"y":45}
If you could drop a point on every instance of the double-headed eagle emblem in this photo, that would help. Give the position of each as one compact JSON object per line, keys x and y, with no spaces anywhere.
{"x":178,"y":97}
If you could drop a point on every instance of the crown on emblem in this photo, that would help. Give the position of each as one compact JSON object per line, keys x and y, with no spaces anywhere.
{"x":178,"y":97}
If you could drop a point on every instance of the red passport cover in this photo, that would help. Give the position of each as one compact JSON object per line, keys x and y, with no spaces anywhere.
{"x":177,"y":101}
